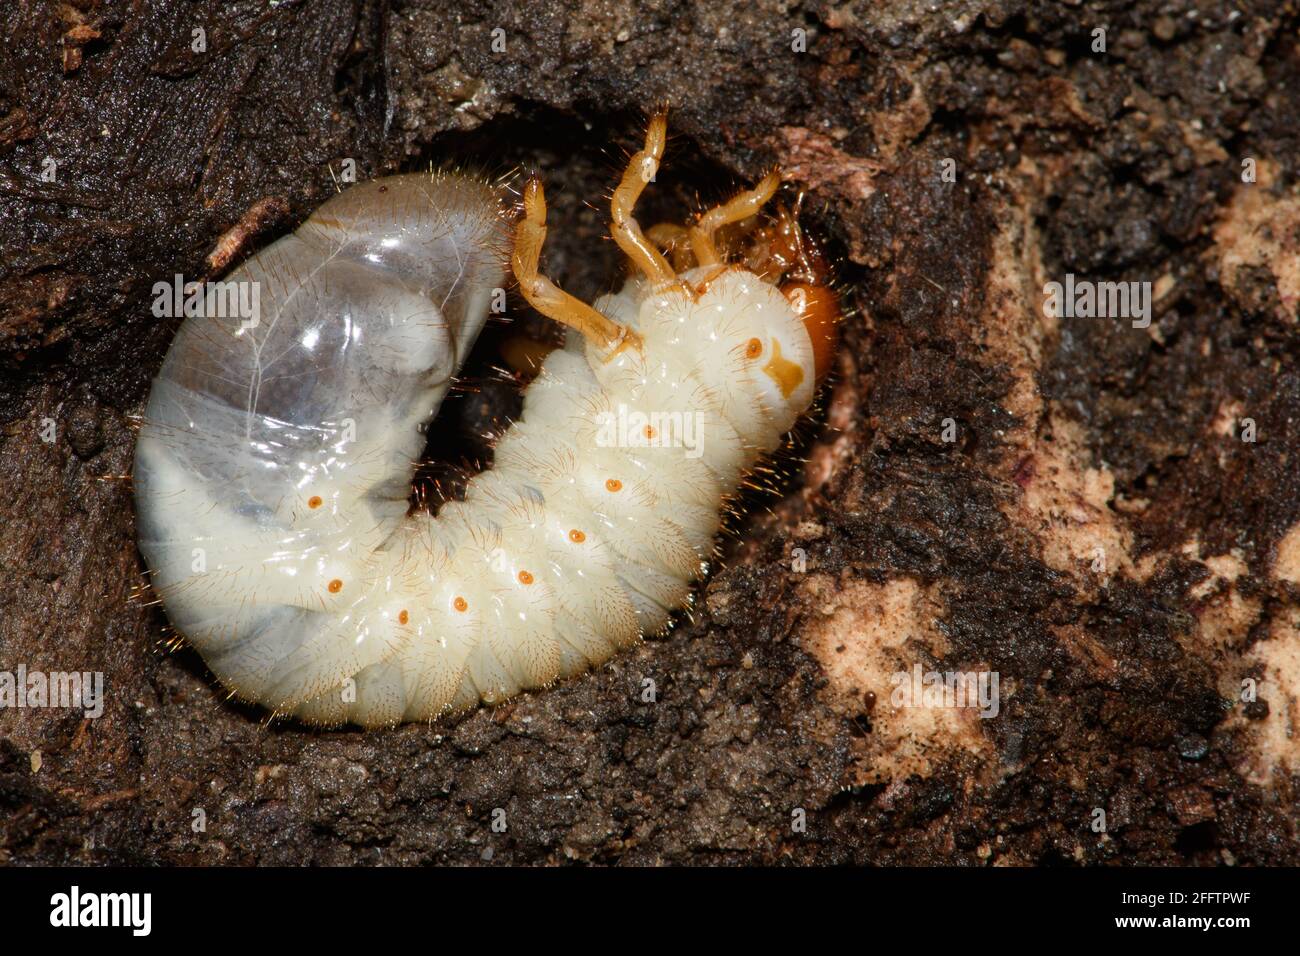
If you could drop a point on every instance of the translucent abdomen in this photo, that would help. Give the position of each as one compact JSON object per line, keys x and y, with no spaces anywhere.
{"x":280,"y":440}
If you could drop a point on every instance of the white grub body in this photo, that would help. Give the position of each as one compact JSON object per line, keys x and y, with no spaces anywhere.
{"x":274,"y":468}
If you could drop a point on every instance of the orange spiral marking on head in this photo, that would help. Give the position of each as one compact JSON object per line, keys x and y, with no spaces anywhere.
{"x":460,"y":604}
{"x":753,"y":348}
{"x":613,"y":485}
{"x":403,"y":617}
{"x":576,"y":536}
{"x":525,"y":577}
{"x":336,"y":586}
{"x":314,"y":501}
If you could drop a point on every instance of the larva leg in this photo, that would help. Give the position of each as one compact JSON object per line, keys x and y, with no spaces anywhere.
{"x":641,"y":168}
{"x":741,"y":207}
{"x":673,"y":239}
{"x":542,"y":294}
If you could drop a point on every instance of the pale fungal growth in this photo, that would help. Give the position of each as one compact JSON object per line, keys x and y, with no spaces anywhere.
{"x":274,"y":466}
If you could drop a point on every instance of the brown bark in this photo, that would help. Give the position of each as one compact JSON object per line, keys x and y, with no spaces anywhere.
{"x":1119,"y":686}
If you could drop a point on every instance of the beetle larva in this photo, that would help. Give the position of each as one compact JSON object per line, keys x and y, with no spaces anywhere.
{"x":273,"y":470}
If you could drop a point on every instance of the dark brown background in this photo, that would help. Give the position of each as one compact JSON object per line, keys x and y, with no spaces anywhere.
{"x":1115,"y":165}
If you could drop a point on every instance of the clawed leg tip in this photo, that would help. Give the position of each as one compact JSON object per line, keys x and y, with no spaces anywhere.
{"x":534,"y":197}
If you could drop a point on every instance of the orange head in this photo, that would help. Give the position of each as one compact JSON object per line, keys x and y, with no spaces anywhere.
{"x":782,"y":250}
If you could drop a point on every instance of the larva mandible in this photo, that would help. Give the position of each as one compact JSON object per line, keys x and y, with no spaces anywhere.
{"x":274,"y":464}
